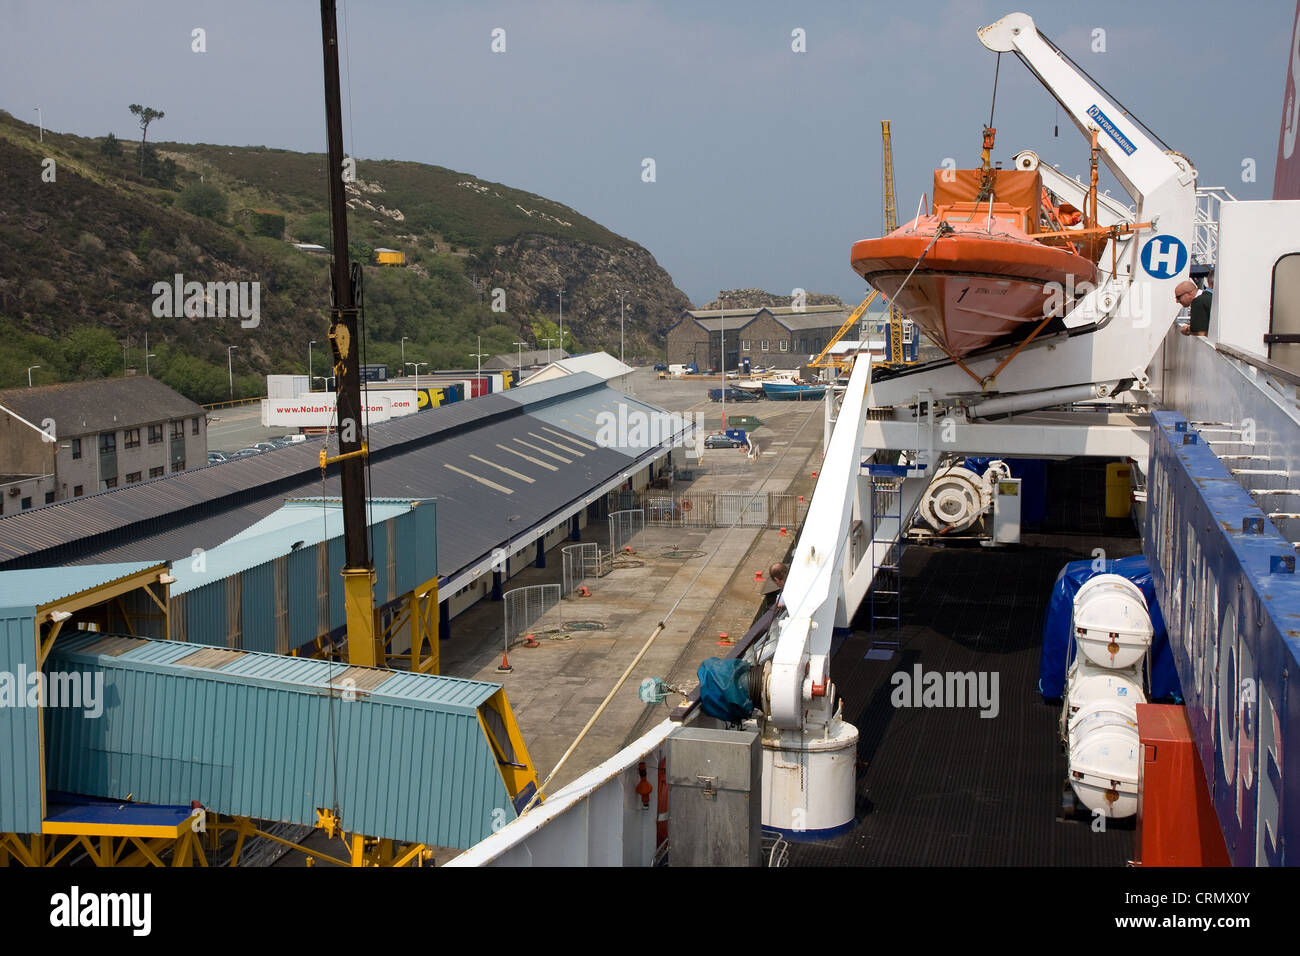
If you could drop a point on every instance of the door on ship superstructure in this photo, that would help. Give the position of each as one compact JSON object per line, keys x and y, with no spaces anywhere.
{"x":1283,"y":338}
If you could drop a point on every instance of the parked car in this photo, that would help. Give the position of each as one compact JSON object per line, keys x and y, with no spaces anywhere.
{"x":289,"y":439}
{"x":216,"y":456}
{"x":660,"y":367}
{"x":266,"y":446}
{"x":723,"y":441}
{"x":247,"y":452}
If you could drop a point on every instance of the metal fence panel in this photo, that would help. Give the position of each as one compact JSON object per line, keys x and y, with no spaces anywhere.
{"x":624,"y":527}
{"x":748,"y":511}
{"x":524,"y":607}
{"x":782,"y":511}
{"x":580,"y":562}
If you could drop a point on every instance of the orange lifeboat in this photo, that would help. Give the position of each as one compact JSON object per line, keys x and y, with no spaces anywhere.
{"x":971,"y":273}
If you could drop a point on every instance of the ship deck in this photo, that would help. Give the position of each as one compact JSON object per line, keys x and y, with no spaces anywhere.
{"x":943,"y":786}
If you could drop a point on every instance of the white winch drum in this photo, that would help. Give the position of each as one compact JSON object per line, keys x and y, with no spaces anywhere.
{"x":1105,"y":752}
{"x":954,"y":500}
{"x":1111,"y":623}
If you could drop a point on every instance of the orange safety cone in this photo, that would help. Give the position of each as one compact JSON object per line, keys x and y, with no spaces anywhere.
{"x":724,"y":639}
{"x":758,"y":575}
{"x":814,"y":474}
{"x":784,"y":533}
{"x":504,"y":666}
{"x":583,"y":592}
{"x":801,"y":499}
{"x":531,"y":641}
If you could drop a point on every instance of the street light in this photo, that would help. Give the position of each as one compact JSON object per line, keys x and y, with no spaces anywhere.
{"x":40,"y":122}
{"x":561,"y":332}
{"x":620,"y":293}
{"x":722,"y":359}
{"x":479,"y":357}
{"x":125,"y":346}
{"x":548,"y":349}
{"x":404,"y":338}
{"x":29,"y":375}
{"x":147,"y":357}
{"x":417,"y":372}
{"x":309,"y":369}
{"x":230,"y":368}
{"x":521,"y":355}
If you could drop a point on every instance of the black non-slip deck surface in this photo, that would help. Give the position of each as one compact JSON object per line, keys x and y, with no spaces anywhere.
{"x":944,"y":786}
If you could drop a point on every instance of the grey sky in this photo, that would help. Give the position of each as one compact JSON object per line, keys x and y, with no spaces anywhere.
{"x":768,"y":161}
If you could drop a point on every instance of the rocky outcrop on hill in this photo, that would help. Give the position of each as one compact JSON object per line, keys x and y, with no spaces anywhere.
{"x":758,"y":299}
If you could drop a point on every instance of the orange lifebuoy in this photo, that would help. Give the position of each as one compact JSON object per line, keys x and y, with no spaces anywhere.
{"x":685,"y":505}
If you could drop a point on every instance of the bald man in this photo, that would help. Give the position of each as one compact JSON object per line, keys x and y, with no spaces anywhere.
{"x":1186,"y":294}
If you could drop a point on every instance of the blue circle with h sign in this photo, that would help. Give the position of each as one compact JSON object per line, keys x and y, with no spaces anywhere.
{"x":1164,"y":257}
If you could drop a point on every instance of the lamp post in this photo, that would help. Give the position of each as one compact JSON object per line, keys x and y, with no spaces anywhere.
{"x":29,"y":375}
{"x":417,"y":372}
{"x":309,"y":368}
{"x":521,"y":345}
{"x":548,"y":349}
{"x":620,"y":293}
{"x":479,"y":357}
{"x":40,"y":122}
{"x":561,"y":332}
{"x":230,"y":368}
{"x":722,"y":360}
{"x":125,"y":345}
{"x":404,"y":338}
{"x":147,"y":357}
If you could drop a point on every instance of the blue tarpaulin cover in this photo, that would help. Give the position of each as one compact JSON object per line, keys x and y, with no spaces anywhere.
{"x":724,"y":689}
{"x":1054,"y":663}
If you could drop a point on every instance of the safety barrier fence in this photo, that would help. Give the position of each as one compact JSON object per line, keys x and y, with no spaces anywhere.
{"x":524,"y":607}
{"x":696,"y":509}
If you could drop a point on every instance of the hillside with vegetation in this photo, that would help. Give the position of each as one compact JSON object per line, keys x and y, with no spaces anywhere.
{"x":89,"y":225}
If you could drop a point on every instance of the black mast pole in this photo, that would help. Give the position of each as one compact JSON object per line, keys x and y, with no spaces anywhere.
{"x":358,"y":572}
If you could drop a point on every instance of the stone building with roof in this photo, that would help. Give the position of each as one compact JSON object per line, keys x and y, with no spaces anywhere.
{"x":770,"y":337}
{"x":76,"y":438}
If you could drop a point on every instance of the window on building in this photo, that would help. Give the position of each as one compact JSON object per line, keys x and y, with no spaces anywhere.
{"x":785,"y":345}
{"x":27,"y":503}
{"x":132,"y":477}
{"x":744,"y":345}
{"x":157,"y":472}
{"x":132,"y":438}
{"x":155,"y":434}
{"x":194,"y":425}
{"x":76,"y":448}
{"x":107,"y":483}
{"x":1284,"y":318}
{"x":803,"y":345}
{"x":763,"y":344}
{"x":77,"y":491}
{"x":178,"y":429}
{"x":107,"y":442}
{"x":49,"y":497}
{"x":178,"y":465}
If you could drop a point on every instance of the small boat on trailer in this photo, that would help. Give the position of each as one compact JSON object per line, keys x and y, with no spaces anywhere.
{"x":987,"y":264}
{"x":793,"y":392}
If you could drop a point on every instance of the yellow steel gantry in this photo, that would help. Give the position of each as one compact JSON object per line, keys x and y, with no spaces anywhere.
{"x":821,"y":361}
{"x":896,"y":356}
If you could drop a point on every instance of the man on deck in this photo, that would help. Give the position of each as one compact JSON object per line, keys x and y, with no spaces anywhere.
{"x":1186,"y":294}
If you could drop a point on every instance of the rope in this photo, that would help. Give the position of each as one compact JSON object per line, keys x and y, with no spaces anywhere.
{"x":993,"y":106}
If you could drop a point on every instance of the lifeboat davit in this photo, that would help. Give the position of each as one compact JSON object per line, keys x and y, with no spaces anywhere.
{"x":983,"y":277}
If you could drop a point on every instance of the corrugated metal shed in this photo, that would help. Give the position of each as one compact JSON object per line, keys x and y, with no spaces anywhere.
{"x":261,"y":735}
{"x":35,"y":587}
{"x":271,"y":588}
{"x":434,"y":454}
{"x":22,"y":593}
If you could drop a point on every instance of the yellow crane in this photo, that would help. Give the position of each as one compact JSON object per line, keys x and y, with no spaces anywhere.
{"x":896,"y":356}
{"x":895,"y":319}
